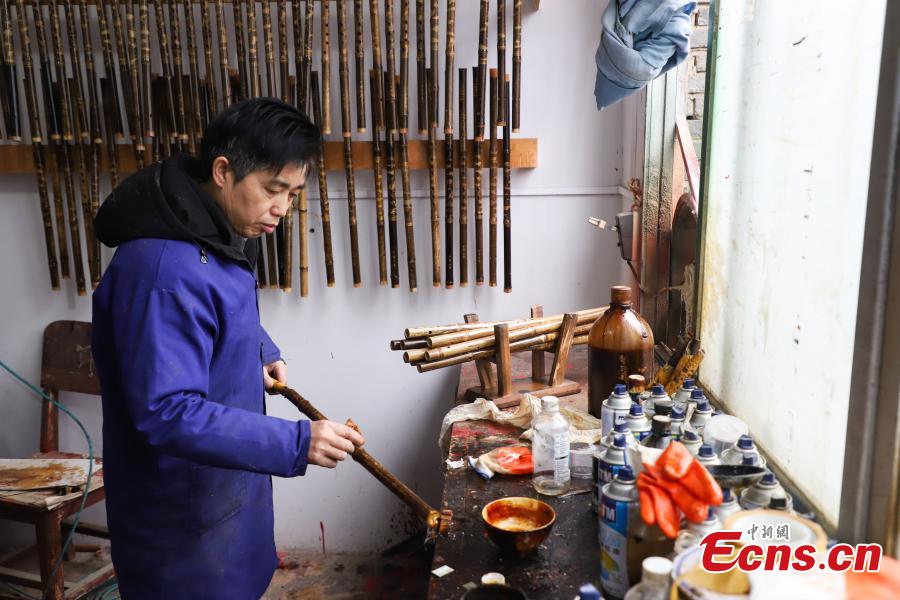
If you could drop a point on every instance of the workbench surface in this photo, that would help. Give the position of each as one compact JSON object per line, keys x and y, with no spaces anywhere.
{"x":568,"y":558}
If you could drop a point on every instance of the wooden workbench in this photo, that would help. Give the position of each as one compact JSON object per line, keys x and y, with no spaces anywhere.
{"x":571,"y":555}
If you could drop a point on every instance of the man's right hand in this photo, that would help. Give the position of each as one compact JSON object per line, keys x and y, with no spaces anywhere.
{"x":331,"y":442}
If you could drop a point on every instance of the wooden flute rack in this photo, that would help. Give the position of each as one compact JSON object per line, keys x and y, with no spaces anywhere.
{"x":500,"y":386}
{"x":19,"y":158}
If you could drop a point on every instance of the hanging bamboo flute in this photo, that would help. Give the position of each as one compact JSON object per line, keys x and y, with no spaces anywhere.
{"x":254,"y":85}
{"x":358,"y":25}
{"x":144,"y":70}
{"x":36,"y":137}
{"x":283,"y":56}
{"x":421,"y":80}
{"x":165,"y":60}
{"x":377,"y":85}
{"x":390,"y":112}
{"x":272,"y":78}
{"x":344,"y":72}
{"x":449,"y":207}
{"x":115,"y":126}
{"x":298,"y":48}
{"x":95,"y":109}
{"x":10,"y":79}
{"x":178,"y":77}
{"x":404,"y":146}
{"x":306,"y":63}
{"x":480,"y":79}
{"x":463,"y":154}
{"x":195,"y":84}
{"x":113,"y":79}
{"x":432,"y":141}
{"x":507,"y":195}
{"x":501,"y":55}
{"x":54,"y":130}
{"x":517,"y":66}
{"x":223,"y":52}
{"x":492,"y":182}
{"x":64,"y":155}
{"x":477,"y":169}
{"x":237,"y":9}
{"x":325,"y":125}
{"x":377,"y":178}
{"x":323,"y":182}
{"x":212,"y":99}
{"x":134,"y":77}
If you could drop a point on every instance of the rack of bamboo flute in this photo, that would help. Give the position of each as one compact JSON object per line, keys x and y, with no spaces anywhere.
{"x":92,"y":90}
{"x":491,"y":343}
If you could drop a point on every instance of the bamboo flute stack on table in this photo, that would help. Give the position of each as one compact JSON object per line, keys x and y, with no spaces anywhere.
{"x":436,"y":347}
{"x":144,"y":78}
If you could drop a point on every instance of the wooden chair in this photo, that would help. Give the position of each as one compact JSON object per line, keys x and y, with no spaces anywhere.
{"x":66,"y":365}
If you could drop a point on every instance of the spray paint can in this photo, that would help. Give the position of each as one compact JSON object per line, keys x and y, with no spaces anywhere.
{"x":606,"y":465}
{"x":706,"y":456}
{"x":619,"y":506}
{"x":614,"y":409}
{"x":702,"y":411}
{"x":759,"y":495}
{"x":729,"y":505}
{"x":743,"y":452}
{"x":622,"y":429}
{"x":660,"y":401}
{"x":683,"y":395}
{"x":638,"y":423}
{"x":691,"y":441}
{"x":676,"y":421}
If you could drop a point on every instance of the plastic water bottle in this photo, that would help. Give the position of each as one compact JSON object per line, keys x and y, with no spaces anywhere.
{"x":550,"y":449}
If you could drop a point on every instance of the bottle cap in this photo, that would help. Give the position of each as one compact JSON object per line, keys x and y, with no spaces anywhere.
{"x":656,"y":570}
{"x":745,"y":442}
{"x":749,"y":460}
{"x":661,"y":424}
{"x":588,"y":592}
{"x":706,"y":451}
{"x":621,"y":427}
{"x":688,"y":384}
{"x":778,"y":502}
{"x":620,"y":294}
{"x":677,"y":414}
{"x":493,"y":579}
{"x":625,"y":475}
{"x":710,"y":515}
{"x":704,"y":406}
{"x":690,"y":436}
{"x":769,"y":478}
{"x":550,"y":403}
{"x":697,"y":394}
{"x":663,"y":407}
{"x":658,"y":390}
{"x":620,"y":389}
{"x":636,"y":382}
{"x":726,"y":494}
{"x":619,"y":441}
{"x":636,"y":410}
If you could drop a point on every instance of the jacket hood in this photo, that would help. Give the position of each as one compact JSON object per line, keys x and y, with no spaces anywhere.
{"x":166,"y":201}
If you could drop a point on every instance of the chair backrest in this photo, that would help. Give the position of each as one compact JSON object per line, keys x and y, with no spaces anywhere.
{"x":67,"y":365}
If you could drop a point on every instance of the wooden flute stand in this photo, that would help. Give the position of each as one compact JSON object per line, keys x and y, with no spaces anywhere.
{"x":503,"y":389}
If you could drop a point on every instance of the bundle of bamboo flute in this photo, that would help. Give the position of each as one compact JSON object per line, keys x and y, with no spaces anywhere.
{"x":430,"y":348}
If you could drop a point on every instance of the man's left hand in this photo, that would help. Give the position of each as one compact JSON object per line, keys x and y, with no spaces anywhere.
{"x":272,"y":372}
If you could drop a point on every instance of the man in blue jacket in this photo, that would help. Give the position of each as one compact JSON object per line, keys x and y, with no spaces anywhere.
{"x":183,"y":362}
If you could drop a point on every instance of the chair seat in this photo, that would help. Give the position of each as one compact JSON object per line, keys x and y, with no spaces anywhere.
{"x":49,"y":500}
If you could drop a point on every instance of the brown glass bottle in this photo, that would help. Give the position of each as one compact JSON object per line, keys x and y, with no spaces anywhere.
{"x":620,"y":344}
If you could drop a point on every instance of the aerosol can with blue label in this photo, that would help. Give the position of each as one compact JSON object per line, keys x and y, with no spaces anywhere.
{"x":614,"y":409}
{"x":622,"y":429}
{"x":619,"y":508}
{"x":676,"y":421}
{"x":702,"y":411}
{"x":606,"y":465}
{"x":638,"y":423}
{"x":658,"y":403}
{"x":683,"y":395}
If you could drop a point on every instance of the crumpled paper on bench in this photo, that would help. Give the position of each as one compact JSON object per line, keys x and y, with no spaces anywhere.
{"x":582,"y":426}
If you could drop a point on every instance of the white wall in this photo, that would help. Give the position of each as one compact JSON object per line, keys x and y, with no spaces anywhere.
{"x":336,"y":341}
{"x":792,"y":122}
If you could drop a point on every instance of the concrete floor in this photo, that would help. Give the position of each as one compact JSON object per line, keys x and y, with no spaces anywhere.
{"x":305,"y":575}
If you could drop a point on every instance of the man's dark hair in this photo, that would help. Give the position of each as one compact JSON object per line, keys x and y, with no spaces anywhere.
{"x":259,"y":134}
